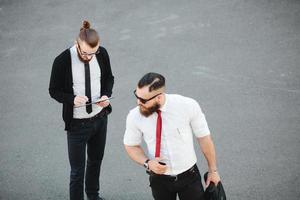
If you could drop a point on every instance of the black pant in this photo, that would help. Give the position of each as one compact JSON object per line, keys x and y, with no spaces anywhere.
{"x":90,"y":135}
{"x":187,"y":186}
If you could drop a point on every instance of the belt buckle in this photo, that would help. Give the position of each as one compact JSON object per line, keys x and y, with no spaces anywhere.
{"x":192,"y":170}
{"x":175,"y":176}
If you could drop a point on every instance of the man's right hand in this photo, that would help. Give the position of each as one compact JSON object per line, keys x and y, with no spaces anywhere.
{"x":156,"y":167}
{"x":80,"y":100}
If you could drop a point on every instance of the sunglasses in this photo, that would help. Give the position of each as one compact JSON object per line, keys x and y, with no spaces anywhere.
{"x":87,"y":54}
{"x":144,"y":101}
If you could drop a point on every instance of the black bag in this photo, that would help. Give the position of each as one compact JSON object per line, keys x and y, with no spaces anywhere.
{"x":213,"y":192}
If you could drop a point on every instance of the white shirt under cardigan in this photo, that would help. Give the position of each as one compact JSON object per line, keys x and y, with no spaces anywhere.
{"x":181,"y":118}
{"x":78,"y":74}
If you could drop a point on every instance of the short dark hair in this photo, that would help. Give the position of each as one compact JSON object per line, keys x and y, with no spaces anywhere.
{"x":89,"y":35}
{"x":155,"y":80}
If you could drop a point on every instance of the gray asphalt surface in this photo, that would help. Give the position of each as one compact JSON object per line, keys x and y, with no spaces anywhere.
{"x":238,"y":59}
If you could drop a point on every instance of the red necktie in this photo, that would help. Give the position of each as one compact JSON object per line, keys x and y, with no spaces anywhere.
{"x":158,"y":133}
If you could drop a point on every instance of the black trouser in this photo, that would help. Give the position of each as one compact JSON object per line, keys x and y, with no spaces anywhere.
{"x":187,"y":186}
{"x":90,"y":135}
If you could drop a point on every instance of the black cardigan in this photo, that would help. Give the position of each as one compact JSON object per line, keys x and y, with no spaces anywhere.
{"x":61,"y":82}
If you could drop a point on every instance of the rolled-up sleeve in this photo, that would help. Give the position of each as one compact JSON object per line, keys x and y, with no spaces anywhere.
{"x":198,"y":121}
{"x":132,"y":136}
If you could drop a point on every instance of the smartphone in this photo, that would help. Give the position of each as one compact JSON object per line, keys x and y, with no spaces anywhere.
{"x":94,"y":102}
{"x":98,"y":101}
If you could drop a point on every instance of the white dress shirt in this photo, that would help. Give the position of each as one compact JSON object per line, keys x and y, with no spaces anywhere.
{"x":181,"y":118}
{"x":78,"y":74}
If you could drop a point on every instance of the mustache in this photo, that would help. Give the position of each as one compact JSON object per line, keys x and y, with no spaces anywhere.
{"x":149,"y":111}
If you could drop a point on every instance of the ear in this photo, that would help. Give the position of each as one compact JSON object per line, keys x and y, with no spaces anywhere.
{"x":76,"y":43}
{"x":160,"y":98}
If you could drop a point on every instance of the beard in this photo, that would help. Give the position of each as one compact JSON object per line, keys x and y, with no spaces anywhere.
{"x":149,"y":111}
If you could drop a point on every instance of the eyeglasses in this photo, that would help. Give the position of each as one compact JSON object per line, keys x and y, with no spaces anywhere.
{"x":87,"y":54}
{"x":144,"y":101}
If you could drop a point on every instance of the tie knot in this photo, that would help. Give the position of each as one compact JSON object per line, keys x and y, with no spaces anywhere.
{"x":158,"y":112}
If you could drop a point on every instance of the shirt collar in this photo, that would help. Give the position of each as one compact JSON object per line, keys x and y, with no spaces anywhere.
{"x":164,"y":107}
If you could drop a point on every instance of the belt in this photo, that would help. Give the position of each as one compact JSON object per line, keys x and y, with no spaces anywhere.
{"x":102,"y":113}
{"x":184,"y":174}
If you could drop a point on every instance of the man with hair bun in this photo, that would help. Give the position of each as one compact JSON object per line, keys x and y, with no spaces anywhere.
{"x":81,"y":76}
{"x":167,"y":123}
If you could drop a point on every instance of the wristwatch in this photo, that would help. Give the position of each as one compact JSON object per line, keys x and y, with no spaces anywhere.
{"x":146,"y":164}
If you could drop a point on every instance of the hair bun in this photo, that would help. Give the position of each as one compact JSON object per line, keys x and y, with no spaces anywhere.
{"x":86,"y":24}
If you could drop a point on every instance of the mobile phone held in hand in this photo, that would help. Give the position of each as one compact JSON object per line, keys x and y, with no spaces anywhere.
{"x":95,"y":102}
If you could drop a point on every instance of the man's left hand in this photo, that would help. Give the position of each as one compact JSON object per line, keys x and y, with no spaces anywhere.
{"x":213,"y":177}
{"x":103,"y":104}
